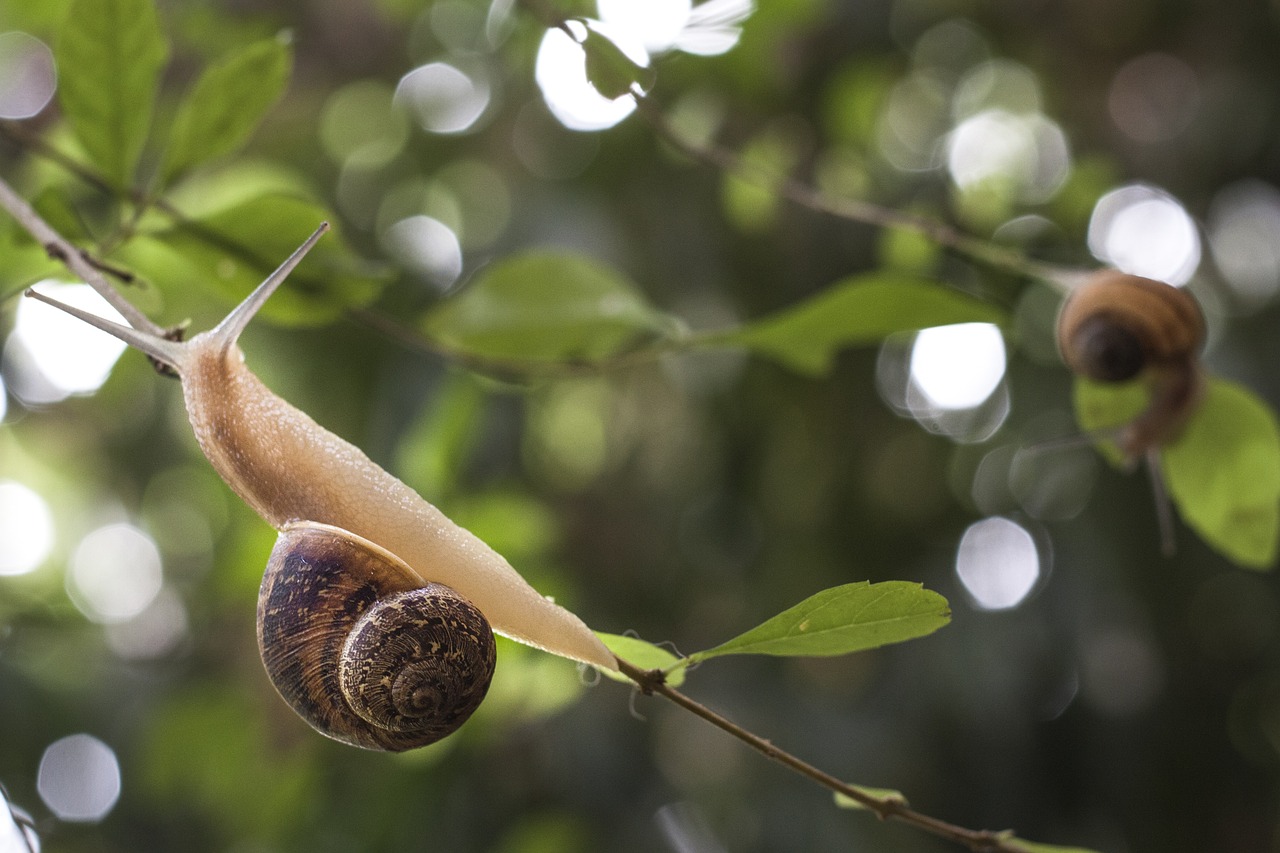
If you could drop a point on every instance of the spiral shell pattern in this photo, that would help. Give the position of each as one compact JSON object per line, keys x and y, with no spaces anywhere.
{"x":361,"y":649}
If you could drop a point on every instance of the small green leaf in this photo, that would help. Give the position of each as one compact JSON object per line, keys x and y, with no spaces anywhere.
{"x":225,"y":105}
{"x":1033,"y":847}
{"x":887,"y":794}
{"x":1223,"y":473}
{"x":1103,"y":407}
{"x":857,"y":310}
{"x":109,"y":56}
{"x":849,"y":618}
{"x":612,"y":72}
{"x":547,"y":306}
{"x":644,"y":655}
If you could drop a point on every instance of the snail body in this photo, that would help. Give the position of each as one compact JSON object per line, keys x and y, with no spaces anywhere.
{"x":289,"y":469}
{"x":1118,"y":327}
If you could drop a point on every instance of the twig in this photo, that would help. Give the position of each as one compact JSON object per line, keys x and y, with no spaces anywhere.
{"x":653,"y":682}
{"x":868,"y":213}
{"x":60,"y":249}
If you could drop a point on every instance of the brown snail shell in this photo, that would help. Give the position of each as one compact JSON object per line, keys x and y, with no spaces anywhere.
{"x":361,"y":649}
{"x":1116,"y":327}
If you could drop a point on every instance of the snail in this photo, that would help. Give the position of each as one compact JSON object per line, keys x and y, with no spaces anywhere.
{"x":1117,"y":327}
{"x":363,"y":566}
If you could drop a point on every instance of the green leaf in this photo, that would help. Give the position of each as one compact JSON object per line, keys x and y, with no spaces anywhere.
{"x":109,"y":56}
{"x":229,"y":251}
{"x":1103,"y":407}
{"x":225,"y":105}
{"x":855,"y":311}
{"x":611,"y":71}
{"x":1223,"y":473}
{"x":547,"y":306}
{"x":846,"y":802}
{"x":644,"y":655}
{"x":849,"y":618}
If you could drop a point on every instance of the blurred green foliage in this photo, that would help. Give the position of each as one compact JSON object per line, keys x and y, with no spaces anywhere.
{"x":690,"y":491}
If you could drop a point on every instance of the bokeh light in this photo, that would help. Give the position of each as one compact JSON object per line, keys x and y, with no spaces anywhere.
{"x":1154,"y":97}
{"x":361,"y":127}
{"x":114,"y":574}
{"x":561,"y":72}
{"x":79,"y":779}
{"x":655,"y":23}
{"x":1143,"y":230}
{"x":998,"y":563}
{"x":1121,"y":672}
{"x":153,"y":633}
{"x":51,"y":355}
{"x":426,"y":246}
{"x":949,"y":380}
{"x":1026,"y":153}
{"x":26,"y":529}
{"x":958,"y":366}
{"x":27,"y":75}
{"x":17,"y":829}
{"x":714,"y":27}
{"x":1244,"y":234}
{"x":4,"y":400}
{"x":444,"y":98}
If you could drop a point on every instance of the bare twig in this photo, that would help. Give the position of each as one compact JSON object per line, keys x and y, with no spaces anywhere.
{"x":61,"y":250}
{"x":653,"y":682}
{"x":868,"y":213}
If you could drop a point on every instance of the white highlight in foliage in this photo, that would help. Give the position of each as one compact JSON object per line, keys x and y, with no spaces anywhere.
{"x":998,"y":563}
{"x":61,"y":355}
{"x":26,"y":529}
{"x":79,"y":779}
{"x":561,"y":72}
{"x":958,"y":366}
{"x":1142,"y":230}
{"x":115,"y":574}
{"x":443,"y":98}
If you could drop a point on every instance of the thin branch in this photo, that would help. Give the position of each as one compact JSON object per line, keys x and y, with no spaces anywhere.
{"x":726,"y":160}
{"x":61,"y":250}
{"x":653,"y":682}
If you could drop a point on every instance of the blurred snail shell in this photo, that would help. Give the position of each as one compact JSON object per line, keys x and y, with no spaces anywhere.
{"x":361,"y":648}
{"x":1116,"y":327}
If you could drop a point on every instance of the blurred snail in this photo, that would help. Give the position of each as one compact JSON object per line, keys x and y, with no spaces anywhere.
{"x":375,"y":608}
{"x":1117,"y":327}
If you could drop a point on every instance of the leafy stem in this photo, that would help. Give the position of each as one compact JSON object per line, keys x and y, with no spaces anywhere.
{"x":653,"y":682}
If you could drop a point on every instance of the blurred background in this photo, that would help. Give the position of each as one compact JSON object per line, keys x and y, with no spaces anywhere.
{"x":1088,"y":692}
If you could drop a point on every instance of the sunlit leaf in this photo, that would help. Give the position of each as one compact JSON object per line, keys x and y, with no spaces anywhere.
{"x":644,"y":655}
{"x":229,"y":251}
{"x":1223,"y":473}
{"x":1103,"y":407}
{"x":849,"y":618}
{"x":857,"y":310}
{"x":547,"y":306}
{"x":888,"y":794}
{"x":225,"y":105}
{"x":109,"y":55}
